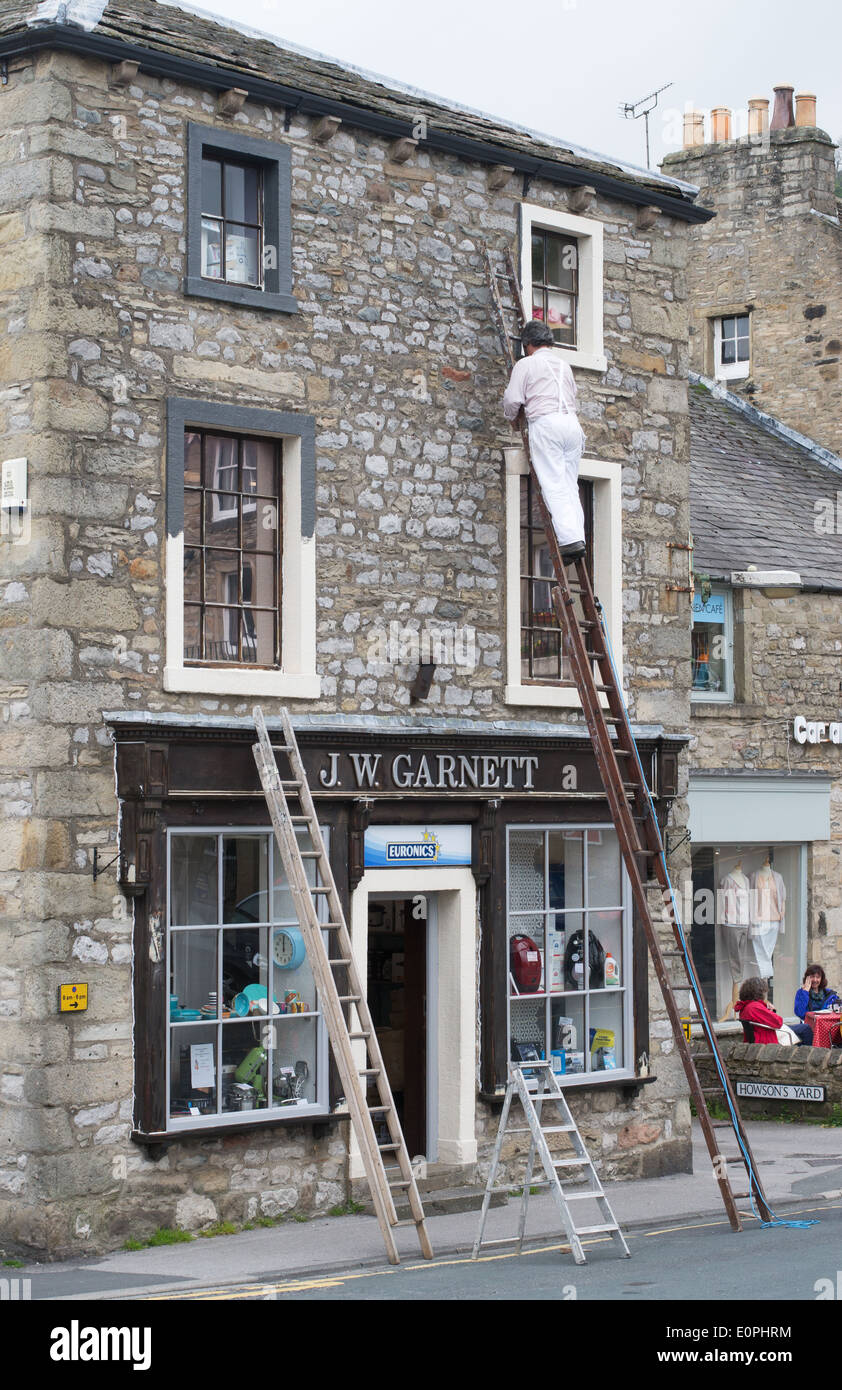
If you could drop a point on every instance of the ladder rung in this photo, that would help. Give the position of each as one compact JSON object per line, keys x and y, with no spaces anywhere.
{"x":593,"y":1230}
{"x":330,"y":926}
{"x":294,"y":783}
{"x":409,"y":1221}
{"x":358,"y":1037}
{"x":404,"y":1182}
{"x":571,"y":1162}
{"x":351,"y":999}
{"x":378,"y":1109}
{"x":389,"y":1148}
{"x":299,"y":820}
{"x":322,"y":888}
{"x":581,"y":1196}
{"x":340,"y":960}
{"x":370,"y":1071}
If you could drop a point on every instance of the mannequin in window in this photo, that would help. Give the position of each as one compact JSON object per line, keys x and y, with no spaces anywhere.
{"x":735,"y":900}
{"x":768,"y":908}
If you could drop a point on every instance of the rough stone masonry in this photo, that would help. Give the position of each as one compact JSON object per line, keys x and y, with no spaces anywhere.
{"x":394,"y":353}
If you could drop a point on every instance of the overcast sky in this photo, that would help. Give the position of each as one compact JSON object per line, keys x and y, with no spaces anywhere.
{"x":564,"y":66}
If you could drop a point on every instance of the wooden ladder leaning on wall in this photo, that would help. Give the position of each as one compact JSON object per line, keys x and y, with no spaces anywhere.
{"x":387,"y":1164}
{"x":587,"y":643}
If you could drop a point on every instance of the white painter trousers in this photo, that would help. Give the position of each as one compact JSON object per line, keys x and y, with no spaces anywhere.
{"x":556,"y":443}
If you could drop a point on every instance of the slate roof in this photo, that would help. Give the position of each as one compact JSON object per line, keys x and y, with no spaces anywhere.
{"x":753,"y":495}
{"x":193,"y":36}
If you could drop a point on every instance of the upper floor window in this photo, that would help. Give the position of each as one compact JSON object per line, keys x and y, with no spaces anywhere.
{"x":538,"y":669}
{"x":543,"y":653}
{"x":239,"y":234}
{"x":232,"y":554}
{"x":555,"y":283}
{"x":561,"y":280}
{"x":241,"y":551}
{"x":232,"y":221}
{"x":731,"y":347}
{"x":713,"y":646}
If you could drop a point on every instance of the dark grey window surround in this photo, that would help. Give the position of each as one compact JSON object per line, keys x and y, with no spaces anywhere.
{"x":183,"y":411}
{"x":275,"y":163}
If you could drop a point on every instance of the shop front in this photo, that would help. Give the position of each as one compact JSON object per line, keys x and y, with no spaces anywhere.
{"x":752,"y":838}
{"x":488,"y":907}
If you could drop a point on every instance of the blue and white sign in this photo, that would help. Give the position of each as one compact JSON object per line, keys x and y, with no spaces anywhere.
{"x":417,"y":846}
{"x":711,"y":612}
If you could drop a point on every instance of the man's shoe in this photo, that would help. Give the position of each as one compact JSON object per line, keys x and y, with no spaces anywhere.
{"x":569,"y":553}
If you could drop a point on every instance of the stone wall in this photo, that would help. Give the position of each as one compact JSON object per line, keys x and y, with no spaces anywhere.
{"x":775,"y":247}
{"x":394,"y":354}
{"x":791,"y":1066}
{"x":786,"y":664}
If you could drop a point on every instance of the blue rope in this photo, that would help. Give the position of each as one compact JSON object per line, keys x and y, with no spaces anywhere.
{"x":695,"y":988}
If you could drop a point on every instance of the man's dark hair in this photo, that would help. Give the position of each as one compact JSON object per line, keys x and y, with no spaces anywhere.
{"x":536,"y":334}
{"x":753,"y":989}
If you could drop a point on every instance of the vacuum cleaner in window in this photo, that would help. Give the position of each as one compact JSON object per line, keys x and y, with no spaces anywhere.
{"x":574,"y":962}
{"x":525,"y":964}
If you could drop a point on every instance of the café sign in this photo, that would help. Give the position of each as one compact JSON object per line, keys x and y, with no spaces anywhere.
{"x":816,"y":731}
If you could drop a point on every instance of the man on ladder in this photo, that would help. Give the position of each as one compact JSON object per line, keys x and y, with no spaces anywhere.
{"x":542,"y":386}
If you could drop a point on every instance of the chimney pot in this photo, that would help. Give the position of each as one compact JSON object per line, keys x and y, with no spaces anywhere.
{"x":720,"y":123}
{"x":694,"y":129}
{"x":805,"y":109}
{"x":782,"y":116}
{"x":758,"y":115}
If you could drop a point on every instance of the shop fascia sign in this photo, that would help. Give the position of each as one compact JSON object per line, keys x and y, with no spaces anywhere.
{"x":816,"y":731}
{"x":444,"y":772}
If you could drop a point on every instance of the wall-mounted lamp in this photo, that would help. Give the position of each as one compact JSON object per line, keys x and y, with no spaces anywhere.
{"x":420,"y":688}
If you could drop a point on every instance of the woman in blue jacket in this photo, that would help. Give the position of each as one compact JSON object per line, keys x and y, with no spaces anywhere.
{"x":816,"y":996}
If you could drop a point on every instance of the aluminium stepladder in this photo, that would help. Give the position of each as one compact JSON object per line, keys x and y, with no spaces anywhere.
{"x":549,"y":1094}
{"x":587,"y":643}
{"x":383,"y":1180}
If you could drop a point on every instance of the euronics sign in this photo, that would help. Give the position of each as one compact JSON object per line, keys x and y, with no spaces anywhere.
{"x":417,"y":846}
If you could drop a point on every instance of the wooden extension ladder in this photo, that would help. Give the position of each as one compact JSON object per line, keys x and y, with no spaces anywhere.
{"x":549,"y":1093}
{"x":587,"y":644}
{"x":387,"y":1164}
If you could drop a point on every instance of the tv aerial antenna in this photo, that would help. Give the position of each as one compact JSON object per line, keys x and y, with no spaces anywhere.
{"x":633,"y":110}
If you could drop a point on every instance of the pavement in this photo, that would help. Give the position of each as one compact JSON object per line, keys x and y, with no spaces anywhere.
{"x":800,"y":1167}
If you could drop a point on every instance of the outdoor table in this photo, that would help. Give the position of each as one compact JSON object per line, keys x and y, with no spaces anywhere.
{"x":825,"y":1028}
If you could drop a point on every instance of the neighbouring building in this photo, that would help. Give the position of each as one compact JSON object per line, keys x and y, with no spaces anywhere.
{"x":766,"y":777}
{"x":253,"y":454}
{"x":765,"y":275}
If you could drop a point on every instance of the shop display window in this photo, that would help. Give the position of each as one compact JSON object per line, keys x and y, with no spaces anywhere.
{"x":748,"y":920}
{"x":569,"y":950}
{"x":246,"y":1032}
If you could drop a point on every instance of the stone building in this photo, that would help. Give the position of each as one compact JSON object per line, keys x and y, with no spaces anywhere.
{"x":765,"y":275}
{"x":252,"y":453}
{"x":765,"y":785}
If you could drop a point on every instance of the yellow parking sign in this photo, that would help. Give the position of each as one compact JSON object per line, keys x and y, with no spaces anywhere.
{"x":72,"y":998}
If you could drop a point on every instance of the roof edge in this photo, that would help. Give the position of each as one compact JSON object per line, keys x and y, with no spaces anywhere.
{"x":769,"y":423}
{"x":75,"y":38}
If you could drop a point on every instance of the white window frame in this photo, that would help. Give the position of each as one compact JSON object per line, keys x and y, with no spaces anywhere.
{"x":606,"y":477}
{"x":297,"y":677}
{"x":726,"y":696}
{"x":588,"y":234}
{"x":587,"y":1078}
{"x":730,"y":371}
{"x":223,"y":1119}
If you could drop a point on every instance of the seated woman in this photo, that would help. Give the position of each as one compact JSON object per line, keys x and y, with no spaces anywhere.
{"x":817,"y":996}
{"x":751,"y":1007}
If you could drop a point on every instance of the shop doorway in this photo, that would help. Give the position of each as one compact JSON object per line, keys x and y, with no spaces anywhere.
{"x":400,"y":939}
